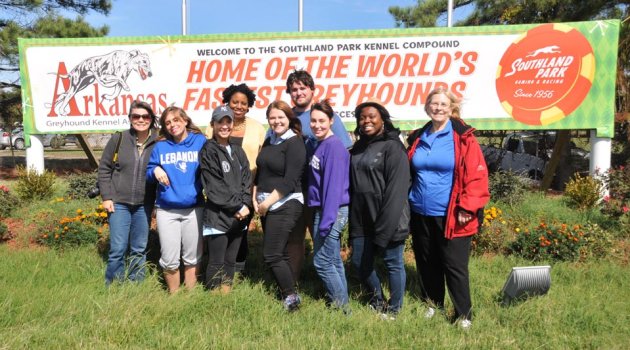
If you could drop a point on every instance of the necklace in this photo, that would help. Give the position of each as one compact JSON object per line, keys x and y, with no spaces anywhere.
{"x":238,"y":126}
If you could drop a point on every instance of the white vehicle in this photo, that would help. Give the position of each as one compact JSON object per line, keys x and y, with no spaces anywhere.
{"x":527,"y":154}
{"x":48,"y":140}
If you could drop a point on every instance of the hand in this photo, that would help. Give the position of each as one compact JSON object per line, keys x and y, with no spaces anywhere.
{"x":242,"y":214}
{"x":108,"y":205}
{"x":161,"y":177}
{"x":262,"y":209}
{"x":463,"y":217}
{"x":254,"y":201}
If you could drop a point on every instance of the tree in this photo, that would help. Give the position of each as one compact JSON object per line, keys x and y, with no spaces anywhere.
{"x":37,"y":19}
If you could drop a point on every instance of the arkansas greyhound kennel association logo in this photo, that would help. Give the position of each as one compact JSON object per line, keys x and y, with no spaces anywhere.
{"x":110,"y":71}
{"x":545,"y":74}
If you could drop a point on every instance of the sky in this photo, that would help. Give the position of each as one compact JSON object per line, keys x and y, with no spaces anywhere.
{"x":163,"y":17}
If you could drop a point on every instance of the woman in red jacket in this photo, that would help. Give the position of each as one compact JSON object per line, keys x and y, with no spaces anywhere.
{"x":449,"y":187}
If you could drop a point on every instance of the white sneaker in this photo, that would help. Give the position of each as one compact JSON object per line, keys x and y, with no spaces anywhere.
{"x":465,"y":324}
{"x":387,"y":316}
{"x":430,"y":313}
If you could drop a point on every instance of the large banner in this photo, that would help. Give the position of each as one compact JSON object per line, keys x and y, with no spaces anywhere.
{"x":538,"y":76}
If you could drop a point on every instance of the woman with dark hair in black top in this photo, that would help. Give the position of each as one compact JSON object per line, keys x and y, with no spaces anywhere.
{"x":379,"y":210}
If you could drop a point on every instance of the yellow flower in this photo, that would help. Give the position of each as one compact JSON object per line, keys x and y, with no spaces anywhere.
{"x":517,"y":229}
{"x":79,"y":211}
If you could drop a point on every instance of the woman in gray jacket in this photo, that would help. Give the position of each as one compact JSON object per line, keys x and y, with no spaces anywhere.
{"x":126,"y":195}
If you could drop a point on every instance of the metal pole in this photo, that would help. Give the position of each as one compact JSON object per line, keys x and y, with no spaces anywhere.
{"x":449,"y":14}
{"x":300,"y":15}
{"x":184,"y":17}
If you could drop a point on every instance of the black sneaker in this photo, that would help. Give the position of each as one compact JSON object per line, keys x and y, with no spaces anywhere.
{"x":292,"y":302}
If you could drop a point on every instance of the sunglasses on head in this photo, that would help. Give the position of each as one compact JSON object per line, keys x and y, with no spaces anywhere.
{"x":141,"y":116}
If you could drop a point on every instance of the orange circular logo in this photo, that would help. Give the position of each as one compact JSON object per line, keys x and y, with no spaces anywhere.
{"x":545,"y":74}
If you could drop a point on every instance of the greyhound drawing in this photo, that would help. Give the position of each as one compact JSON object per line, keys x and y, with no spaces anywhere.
{"x":546,"y":49}
{"x":110,"y":70}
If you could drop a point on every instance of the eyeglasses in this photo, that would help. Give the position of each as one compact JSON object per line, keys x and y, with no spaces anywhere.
{"x":141,"y":116}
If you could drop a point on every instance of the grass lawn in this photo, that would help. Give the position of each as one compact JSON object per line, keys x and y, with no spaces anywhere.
{"x":52,"y":299}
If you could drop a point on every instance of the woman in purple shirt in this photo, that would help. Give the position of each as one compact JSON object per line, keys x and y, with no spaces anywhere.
{"x":328,"y":185}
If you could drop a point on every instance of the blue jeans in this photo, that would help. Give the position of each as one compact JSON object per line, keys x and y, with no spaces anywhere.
{"x":128,"y":232}
{"x":364,"y":252}
{"x":327,"y":258}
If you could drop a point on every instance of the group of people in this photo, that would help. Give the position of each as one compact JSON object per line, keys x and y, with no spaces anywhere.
{"x":302,"y":172}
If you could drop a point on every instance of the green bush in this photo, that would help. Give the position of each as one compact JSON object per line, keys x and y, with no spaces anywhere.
{"x":560,"y":242}
{"x":31,"y":186}
{"x":617,"y":204}
{"x":57,"y":142}
{"x":80,"y":184}
{"x":506,"y":187}
{"x":8,"y":202}
{"x":78,"y":230}
{"x":583,"y":193}
{"x":5,"y":234}
{"x":493,"y":233}
{"x":599,"y":242}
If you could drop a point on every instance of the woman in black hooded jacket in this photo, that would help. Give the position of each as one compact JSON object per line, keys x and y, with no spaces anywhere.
{"x":379,"y":210}
{"x":226,"y":181}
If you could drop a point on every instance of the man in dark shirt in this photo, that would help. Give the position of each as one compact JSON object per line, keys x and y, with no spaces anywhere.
{"x":301,"y":88}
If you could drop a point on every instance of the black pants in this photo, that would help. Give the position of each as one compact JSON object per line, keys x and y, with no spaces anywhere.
{"x":222,"y":250}
{"x":277,"y":226}
{"x":439,"y":259}
{"x":243,"y":250}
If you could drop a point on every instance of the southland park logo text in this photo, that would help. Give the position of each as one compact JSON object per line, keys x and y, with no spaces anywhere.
{"x":98,"y":86}
{"x":545,"y":74}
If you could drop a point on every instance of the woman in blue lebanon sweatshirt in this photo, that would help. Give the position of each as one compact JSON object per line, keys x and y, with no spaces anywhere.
{"x":328,"y":195}
{"x":174,"y":165}
{"x":227,"y":181}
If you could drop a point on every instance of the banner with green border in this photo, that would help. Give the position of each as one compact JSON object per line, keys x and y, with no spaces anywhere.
{"x":518,"y":77}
